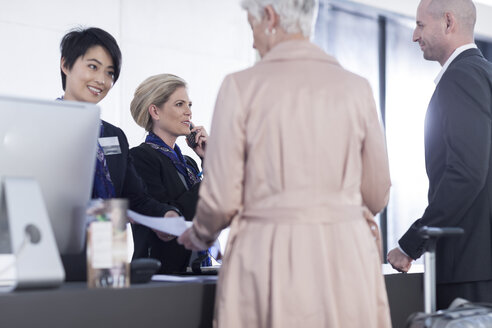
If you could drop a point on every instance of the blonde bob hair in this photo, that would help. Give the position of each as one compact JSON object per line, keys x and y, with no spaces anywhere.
{"x":155,"y":90}
{"x":295,"y":15}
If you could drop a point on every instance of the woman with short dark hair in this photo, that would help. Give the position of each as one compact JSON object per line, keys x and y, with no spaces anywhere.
{"x":90,"y":65}
{"x":76,"y":43}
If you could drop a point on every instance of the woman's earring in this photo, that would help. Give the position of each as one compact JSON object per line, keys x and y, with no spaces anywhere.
{"x":267,"y":32}
{"x":274,"y":31}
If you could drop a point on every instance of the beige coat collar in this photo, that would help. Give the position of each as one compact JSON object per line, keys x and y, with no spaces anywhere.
{"x":297,"y":49}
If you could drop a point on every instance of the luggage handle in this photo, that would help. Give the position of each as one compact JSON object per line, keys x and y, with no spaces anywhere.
{"x":432,"y":234}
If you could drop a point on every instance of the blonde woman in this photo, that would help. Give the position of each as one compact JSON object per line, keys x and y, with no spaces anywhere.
{"x":162,"y":107}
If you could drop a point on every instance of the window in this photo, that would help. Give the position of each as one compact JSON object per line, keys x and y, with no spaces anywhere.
{"x":379,"y":47}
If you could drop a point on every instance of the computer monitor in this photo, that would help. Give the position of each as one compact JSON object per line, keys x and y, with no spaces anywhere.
{"x":55,"y":143}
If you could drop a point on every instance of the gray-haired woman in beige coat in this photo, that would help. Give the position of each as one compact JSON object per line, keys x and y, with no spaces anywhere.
{"x":296,"y":164}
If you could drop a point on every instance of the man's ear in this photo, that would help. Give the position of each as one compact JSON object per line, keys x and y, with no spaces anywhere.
{"x":450,"y":21}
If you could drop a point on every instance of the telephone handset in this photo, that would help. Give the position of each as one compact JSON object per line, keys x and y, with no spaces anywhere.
{"x":191,"y":137}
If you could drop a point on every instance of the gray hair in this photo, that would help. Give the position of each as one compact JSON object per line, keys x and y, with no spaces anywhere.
{"x":295,"y":15}
{"x":464,"y":11}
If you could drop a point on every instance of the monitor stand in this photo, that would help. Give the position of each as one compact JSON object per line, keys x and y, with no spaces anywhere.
{"x":36,"y":261}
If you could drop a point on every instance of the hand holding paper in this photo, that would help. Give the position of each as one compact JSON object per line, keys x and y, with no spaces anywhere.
{"x":170,"y":225}
{"x":175,"y":226}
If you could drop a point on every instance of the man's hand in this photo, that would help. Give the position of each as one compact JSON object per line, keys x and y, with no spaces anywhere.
{"x":399,"y":261}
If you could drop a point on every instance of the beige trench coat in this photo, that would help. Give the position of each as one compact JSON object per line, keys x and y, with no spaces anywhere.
{"x":296,"y":152}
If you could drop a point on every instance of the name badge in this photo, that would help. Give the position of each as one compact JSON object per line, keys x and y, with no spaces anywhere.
{"x":110,"y":145}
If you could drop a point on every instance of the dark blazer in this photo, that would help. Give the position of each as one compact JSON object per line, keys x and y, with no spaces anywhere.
{"x":458,"y":141}
{"x":165,"y":185}
{"x":127,"y":184}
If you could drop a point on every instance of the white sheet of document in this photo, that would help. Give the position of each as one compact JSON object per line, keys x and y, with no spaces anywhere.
{"x":170,"y":278}
{"x":173,"y":225}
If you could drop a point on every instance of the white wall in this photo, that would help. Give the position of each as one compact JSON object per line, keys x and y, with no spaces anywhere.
{"x":198,"y":40}
{"x":201,"y":41}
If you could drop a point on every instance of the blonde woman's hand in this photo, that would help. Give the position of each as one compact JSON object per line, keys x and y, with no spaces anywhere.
{"x":162,"y":235}
{"x":200,"y":139}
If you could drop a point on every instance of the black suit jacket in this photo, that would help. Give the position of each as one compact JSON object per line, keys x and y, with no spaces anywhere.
{"x":127,"y":183}
{"x":458,"y":140}
{"x":165,"y":185}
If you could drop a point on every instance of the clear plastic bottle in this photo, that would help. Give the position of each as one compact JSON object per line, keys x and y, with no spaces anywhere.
{"x":107,"y":250}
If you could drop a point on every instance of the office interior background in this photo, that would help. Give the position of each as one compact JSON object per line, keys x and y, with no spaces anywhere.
{"x":202,"y":41}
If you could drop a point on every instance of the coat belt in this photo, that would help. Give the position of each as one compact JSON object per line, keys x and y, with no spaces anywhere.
{"x":306,"y":215}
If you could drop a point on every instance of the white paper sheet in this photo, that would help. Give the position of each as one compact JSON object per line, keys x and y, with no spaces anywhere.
{"x":173,"y":225}
{"x":170,"y":278}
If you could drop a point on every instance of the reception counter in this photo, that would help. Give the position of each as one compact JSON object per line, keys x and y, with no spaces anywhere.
{"x":155,"y":304}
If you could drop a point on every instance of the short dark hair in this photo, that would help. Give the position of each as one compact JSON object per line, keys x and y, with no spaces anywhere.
{"x":76,"y":43}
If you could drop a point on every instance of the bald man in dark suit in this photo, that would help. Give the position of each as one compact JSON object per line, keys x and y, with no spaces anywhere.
{"x":458,"y":155}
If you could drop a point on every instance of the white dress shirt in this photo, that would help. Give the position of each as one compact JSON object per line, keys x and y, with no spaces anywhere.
{"x":451,"y":58}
